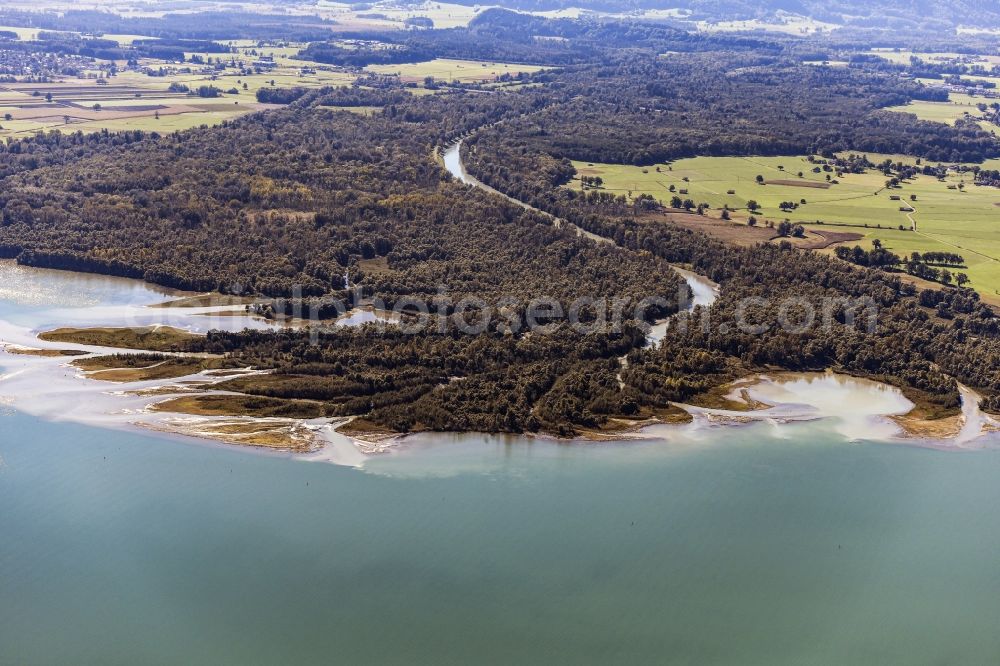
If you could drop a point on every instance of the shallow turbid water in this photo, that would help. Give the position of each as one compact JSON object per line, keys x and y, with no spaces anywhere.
{"x":33,"y":296}
{"x":36,"y":299}
{"x":754,"y":545}
{"x":737,"y":549}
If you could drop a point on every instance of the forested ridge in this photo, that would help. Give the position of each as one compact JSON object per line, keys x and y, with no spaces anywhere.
{"x":923,"y":15}
{"x":641,"y":92}
{"x":647,"y":110}
{"x":499,"y":34}
{"x":287,"y":202}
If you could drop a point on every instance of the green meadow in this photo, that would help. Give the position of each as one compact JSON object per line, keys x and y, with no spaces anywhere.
{"x":966,"y":221}
{"x":445,"y":69}
{"x":902,"y":56}
{"x":957,"y":107}
{"x":948,"y":112}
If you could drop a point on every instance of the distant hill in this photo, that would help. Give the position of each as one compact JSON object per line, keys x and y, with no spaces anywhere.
{"x":891,"y":14}
{"x":970,"y":13}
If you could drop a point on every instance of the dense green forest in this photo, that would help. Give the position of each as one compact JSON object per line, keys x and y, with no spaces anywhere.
{"x":923,"y":339}
{"x":296,"y":198}
{"x":646,"y":110}
{"x":499,"y":34}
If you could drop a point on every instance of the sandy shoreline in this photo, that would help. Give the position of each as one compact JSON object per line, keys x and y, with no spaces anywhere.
{"x":43,"y":380}
{"x":862,"y":409}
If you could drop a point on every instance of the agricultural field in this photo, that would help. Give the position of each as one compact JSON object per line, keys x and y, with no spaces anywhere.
{"x":826,"y":63}
{"x":358,"y":110}
{"x":977,"y":31}
{"x":965,"y":220}
{"x":444,"y":69}
{"x":135,"y":100}
{"x":957,"y":107}
{"x":126,"y":40}
{"x":128,"y":101}
{"x":391,"y":15}
{"x":286,"y":71}
{"x":28,"y":34}
{"x":23,"y":34}
{"x":902,"y":57}
{"x":444,"y":15}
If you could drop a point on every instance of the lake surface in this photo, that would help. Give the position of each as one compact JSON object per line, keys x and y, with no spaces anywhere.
{"x":751,"y":545}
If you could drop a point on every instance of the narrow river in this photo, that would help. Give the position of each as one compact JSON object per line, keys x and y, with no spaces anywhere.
{"x":704,"y":291}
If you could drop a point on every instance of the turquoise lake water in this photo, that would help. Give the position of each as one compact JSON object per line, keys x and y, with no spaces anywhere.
{"x":120,"y":548}
{"x":745,"y":546}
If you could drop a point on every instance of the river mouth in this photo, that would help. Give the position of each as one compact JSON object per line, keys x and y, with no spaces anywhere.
{"x":38,"y":379}
{"x":41,"y":377}
{"x":39,"y":382}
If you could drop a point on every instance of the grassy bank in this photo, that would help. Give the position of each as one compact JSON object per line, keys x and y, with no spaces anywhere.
{"x":158,"y":338}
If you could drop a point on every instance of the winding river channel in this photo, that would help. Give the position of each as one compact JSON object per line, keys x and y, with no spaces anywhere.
{"x":704,"y":291}
{"x":807,"y":535}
